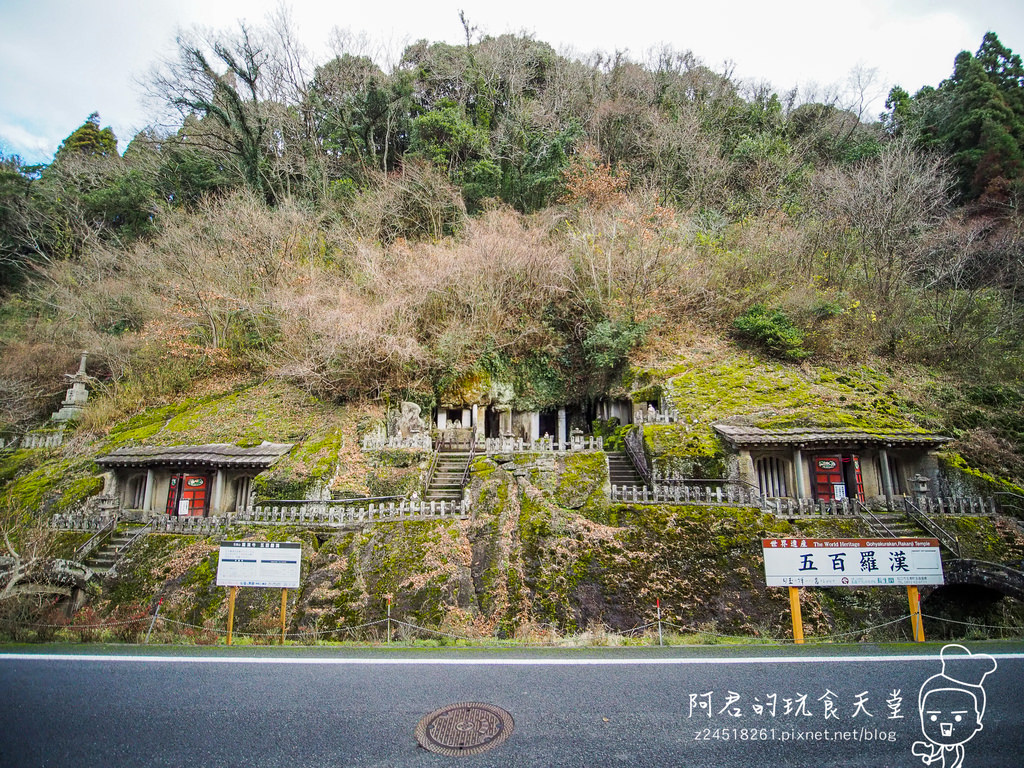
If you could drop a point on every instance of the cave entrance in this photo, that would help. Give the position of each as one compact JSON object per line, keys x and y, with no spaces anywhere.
{"x":959,"y":607}
{"x":549,"y":423}
{"x":492,"y":423}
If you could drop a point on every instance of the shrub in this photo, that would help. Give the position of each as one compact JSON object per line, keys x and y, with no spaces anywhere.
{"x":771,"y":330}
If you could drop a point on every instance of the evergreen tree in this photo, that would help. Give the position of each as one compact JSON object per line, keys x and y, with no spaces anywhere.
{"x":90,"y":140}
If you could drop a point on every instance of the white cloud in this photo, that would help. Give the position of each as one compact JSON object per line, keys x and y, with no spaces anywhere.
{"x":60,"y":60}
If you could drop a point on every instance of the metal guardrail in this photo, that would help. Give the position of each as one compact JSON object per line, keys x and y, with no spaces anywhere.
{"x":879,"y":522}
{"x":119,"y":551}
{"x":94,"y":541}
{"x":948,"y":540}
{"x":1018,"y":505}
{"x":433,"y":463}
{"x":634,"y":442}
{"x":469,"y":461}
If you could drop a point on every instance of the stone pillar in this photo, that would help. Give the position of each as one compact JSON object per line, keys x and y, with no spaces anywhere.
{"x":505,"y":422}
{"x":476,"y":415}
{"x":746,"y":468}
{"x":534,"y":425}
{"x":798,"y":472}
{"x":442,"y":418}
{"x":466,"y":418}
{"x":77,"y":396}
{"x":563,"y":436}
{"x":218,"y":492}
{"x":147,"y":504}
{"x":883,"y":460}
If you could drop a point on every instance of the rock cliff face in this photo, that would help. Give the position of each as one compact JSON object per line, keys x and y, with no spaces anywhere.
{"x":542,"y":552}
{"x":544,"y":549}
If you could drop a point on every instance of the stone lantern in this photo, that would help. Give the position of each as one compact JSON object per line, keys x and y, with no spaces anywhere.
{"x":920,"y":484}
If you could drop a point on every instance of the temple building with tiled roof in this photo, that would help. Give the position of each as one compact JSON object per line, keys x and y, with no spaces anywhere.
{"x":187,"y":480}
{"x":827,"y":464}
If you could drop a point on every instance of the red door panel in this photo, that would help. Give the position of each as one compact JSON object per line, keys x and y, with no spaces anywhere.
{"x":189,"y":496}
{"x":828,"y":478}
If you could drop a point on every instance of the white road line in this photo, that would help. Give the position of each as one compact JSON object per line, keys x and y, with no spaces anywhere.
{"x":456,"y":662}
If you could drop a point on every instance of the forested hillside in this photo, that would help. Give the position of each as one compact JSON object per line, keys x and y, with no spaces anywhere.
{"x":497,"y":208}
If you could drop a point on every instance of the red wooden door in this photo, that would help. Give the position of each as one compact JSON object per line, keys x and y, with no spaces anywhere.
{"x":195,"y":489}
{"x":828,"y":478}
{"x":858,"y":480}
{"x":173,"y":495}
{"x":838,"y":477}
{"x":189,"y":495}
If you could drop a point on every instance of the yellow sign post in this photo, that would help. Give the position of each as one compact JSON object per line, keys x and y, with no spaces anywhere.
{"x":276,"y":564}
{"x":284,"y":611}
{"x":231,"y":611}
{"x":798,"y":622}
{"x":817,"y":563}
{"x":916,"y":625}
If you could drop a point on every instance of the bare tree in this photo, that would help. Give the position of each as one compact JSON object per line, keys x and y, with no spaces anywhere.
{"x":876,"y":211}
{"x":234,"y":119}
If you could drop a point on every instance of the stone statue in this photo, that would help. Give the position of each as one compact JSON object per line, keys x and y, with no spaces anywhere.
{"x":410,"y":423}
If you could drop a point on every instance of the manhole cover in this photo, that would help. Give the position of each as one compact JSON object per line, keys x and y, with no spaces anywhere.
{"x":466,"y":728}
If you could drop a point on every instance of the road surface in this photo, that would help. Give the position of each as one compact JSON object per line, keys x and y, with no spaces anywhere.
{"x":602,"y":707}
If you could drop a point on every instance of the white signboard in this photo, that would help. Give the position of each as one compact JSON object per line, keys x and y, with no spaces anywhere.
{"x":851,"y":562}
{"x":260,"y":564}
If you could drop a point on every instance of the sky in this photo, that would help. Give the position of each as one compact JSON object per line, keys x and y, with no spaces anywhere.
{"x":61,"y":60}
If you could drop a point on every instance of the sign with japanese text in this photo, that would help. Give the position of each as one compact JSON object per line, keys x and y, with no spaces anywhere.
{"x":260,"y":564}
{"x":851,"y":562}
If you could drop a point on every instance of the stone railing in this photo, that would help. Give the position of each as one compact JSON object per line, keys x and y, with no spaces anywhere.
{"x":44,"y":440}
{"x":190,"y":526}
{"x":686,"y":494}
{"x":332,"y":514}
{"x":812,"y":508}
{"x":974,"y":506}
{"x":80,"y":521}
{"x":669,"y":415}
{"x":335,"y":514}
{"x":378,"y":442}
{"x":492,"y":445}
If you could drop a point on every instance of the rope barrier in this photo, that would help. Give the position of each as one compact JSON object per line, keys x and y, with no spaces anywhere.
{"x":972,"y":624}
{"x":499,"y":642}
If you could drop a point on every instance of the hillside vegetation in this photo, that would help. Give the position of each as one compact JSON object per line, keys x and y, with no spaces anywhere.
{"x":309,"y":243}
{"x":498,"y":209}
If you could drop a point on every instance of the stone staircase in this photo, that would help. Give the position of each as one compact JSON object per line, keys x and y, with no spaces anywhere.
{"x":102,"y":559}
{"x":621,"y":471}
{"x":898,"y":525}
{"x":446,"y":482}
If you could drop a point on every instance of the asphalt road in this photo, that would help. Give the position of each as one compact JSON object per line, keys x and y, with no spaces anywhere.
{"x":631,"y":707}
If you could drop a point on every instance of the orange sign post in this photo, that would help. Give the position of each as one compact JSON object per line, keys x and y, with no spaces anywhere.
{"x":798,"y":621}
{"x":798,"y":563}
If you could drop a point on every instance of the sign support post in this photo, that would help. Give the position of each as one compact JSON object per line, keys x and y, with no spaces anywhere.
{"x":816,"y":563}
{"x":798,"y":622}
{"x":270,"y":564}
{"x":231,"y":611}
{"x":660,"y":641}
{"x":284,"y":610}
{"x":915,"y":613}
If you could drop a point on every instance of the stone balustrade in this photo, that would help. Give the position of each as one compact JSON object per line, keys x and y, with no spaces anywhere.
{"x":379,"y":442}
{"x":337,"y":513}
{"x":686,"y":494}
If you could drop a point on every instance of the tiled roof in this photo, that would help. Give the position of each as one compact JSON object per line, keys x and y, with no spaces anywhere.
{"x":212,"y":455}
{"x":741,"y":437}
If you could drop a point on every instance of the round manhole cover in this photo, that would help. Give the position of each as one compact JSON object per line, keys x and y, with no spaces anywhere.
{"x":467,"y":728}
